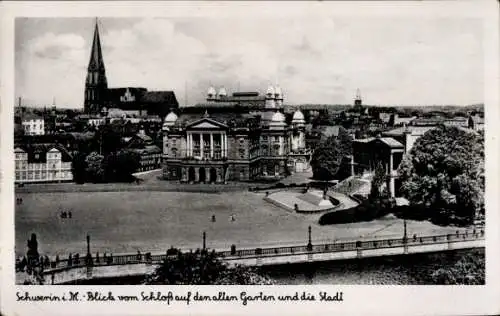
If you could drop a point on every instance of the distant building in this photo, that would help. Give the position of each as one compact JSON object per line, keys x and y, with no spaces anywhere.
{"x":150,"y":154}
{"x":33,"y":124}
{"x":369,"y":152}
{"x":42,"y":163}
{"x":408,"y":135}
{"x":358,"y":102}
{"x":476,"y":122}
{"x":457,"y":121}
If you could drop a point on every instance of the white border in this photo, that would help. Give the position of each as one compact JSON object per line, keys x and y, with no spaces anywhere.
{"x":397,"y":300}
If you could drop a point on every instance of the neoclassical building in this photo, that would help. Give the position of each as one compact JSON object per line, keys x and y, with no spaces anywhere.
{"x":240,"y":137}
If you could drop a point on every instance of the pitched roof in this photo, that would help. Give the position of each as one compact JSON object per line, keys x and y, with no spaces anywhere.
{"x":414,"y":130}
{"x":96,"y":61}
{"x":160,"y":97}
{"x":330,"y":130}
{"x":391,"y":142}
{"x":41,"y":150}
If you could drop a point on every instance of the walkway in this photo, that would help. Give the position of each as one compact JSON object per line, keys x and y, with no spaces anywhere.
{"x":345,"y":201}
{"x":126,"y":265}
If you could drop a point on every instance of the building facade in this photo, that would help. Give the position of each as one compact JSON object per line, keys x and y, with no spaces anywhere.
{"x":42,"y":163}
{"x":243,"y":137}
{"x":33,"y":125}
{"x":370,"y":152}
{"x":150,"y":154}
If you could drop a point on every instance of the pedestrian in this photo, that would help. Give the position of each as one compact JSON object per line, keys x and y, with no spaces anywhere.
{"x":213,"y":218}
{"x":69,"y":214}
{"x":232,"y":218}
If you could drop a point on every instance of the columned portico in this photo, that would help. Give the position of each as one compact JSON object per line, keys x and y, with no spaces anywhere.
{"x":217,"y":142}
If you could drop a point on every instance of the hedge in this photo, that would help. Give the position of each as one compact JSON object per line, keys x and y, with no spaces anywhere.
{"x":364,"y":212}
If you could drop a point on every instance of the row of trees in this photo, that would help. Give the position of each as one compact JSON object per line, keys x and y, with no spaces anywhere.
{"x":114,"y":167}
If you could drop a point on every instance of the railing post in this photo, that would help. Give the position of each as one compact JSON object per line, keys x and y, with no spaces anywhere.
{"x":309,"y":244}
{"x":359,"y":250}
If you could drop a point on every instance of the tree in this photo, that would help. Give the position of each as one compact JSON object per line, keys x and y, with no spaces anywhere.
{"x":377,"y":182}
{"x":344,"y":142}
{"x":121,"y":165}
{"x":79,"y":167}
{"x":201,"y":268}
{"x":94,"y":170}
{"x":469,"y":270}
{"x":107,"y":139}
{"x":445,"y":170}
{"x":326,"y":159}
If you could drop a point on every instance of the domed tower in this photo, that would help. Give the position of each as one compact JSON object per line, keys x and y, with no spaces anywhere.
{"x":169,"y":121}
{"x":270,"y":98}
{"x":298,"y":138}
{"x":211,"y":94}
{"x":277,"y":121}
{"x":278,"y":95}
{"x":222,"y":93}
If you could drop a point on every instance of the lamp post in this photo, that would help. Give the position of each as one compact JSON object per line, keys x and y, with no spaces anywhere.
{"x":204,"y":240}
{"x":89,"y":255}
{"x":309,"y":244}
{"x":405,"y":236}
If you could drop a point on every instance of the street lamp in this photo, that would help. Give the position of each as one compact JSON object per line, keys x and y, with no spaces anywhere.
{"x":309,"y":244}
{"x":405,"y":234}
{"x":204,"y":240}
{"x":89,"y":255}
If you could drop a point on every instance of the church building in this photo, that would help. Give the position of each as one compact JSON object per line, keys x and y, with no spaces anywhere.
{"x":135,"y":101}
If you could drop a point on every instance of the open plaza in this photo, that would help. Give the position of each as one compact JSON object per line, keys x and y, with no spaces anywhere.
{"x":128,"y":221}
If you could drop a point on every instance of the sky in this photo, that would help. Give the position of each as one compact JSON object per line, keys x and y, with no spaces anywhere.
{"x":314,"y":59}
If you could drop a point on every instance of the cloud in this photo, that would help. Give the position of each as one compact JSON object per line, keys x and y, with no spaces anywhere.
{"x":314,"y":60}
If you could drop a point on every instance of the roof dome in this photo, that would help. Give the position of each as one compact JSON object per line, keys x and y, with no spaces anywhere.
{"x":277,"y":91}
{"x":270,"y":90}
{"x":222,"y":92}
{"x":278,"y":117}
{"x":211,"y":91}
{"x":171,"y":117}
{"x":298,"y":116}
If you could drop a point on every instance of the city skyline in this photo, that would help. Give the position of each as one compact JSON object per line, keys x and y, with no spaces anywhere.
{"x":423,"y":61}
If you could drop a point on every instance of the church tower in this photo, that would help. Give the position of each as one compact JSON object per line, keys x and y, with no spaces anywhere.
{"x":358,"y":102}
{"x":96,"y":84}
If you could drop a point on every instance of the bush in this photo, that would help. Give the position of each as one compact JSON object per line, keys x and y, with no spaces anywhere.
{"x":438,"y":216}
{"x":360,"y":197}
{"x":364,"y":212}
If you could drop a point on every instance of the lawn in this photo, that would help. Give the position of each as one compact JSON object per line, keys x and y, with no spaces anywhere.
{"x":124,"y":222}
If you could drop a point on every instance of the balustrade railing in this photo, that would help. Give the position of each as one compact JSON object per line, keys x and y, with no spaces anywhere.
{"x":235,"y":254}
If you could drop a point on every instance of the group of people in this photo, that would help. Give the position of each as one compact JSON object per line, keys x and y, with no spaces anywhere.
{"x":65,"y":214}
{"x":231,"y":218}
{"x":23,"y":264}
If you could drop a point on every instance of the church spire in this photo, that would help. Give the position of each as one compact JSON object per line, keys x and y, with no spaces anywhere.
{"x":96,"y":84}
